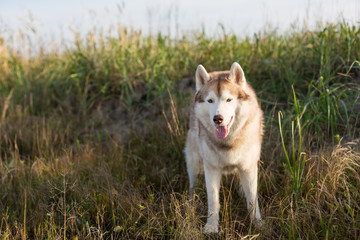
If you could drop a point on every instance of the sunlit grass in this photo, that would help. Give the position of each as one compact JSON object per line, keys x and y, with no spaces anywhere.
{"x":91,"y":136}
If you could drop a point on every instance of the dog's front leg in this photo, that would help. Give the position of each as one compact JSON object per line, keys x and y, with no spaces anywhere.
{"x":249,"y":184}
{"x":212,"y":179}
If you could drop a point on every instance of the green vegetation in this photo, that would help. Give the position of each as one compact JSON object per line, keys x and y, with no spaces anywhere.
{"x":91,"y":136}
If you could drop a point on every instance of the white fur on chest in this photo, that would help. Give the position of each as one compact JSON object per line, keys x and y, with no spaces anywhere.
{"x":242,"y":157}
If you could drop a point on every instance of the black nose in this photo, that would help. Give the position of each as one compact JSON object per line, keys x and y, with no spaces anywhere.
{"x":218,"y":119}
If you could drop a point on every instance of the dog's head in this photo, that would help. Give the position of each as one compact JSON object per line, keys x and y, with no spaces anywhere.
{"x":220,"y":95}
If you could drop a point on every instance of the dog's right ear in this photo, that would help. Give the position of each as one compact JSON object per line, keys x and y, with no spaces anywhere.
{"x":201,"y":77}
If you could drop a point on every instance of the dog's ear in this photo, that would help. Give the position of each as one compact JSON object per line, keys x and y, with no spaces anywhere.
{"x":201,"y":77}
{"x":237,"y":74}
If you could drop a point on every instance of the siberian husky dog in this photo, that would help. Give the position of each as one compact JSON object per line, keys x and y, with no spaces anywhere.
{"x":225,"y":135}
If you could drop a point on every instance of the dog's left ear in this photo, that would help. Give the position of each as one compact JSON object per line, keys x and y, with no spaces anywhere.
{"x":237,"y":74}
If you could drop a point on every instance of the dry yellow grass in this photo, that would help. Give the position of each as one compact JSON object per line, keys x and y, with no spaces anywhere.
{"x":91,"y":138}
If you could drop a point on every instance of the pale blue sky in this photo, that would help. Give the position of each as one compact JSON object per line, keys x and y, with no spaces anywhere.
{"x":242,"y":17}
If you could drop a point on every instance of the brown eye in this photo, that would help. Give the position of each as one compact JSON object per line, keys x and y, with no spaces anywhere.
{"x":210,"y":101}
{"x":229,"y":100}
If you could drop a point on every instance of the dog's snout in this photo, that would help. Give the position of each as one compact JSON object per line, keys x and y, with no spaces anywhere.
{"x":218,"y":119}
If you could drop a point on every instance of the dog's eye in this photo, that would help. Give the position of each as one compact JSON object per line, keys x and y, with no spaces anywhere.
{"x":229,"y":100}
{"x":210,"y":101}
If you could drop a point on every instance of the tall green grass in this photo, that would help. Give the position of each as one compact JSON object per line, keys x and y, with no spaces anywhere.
{"x":297,"y":163}
{"x":91,"y":136}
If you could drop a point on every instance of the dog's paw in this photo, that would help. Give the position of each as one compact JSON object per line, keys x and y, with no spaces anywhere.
{"x":211,"y":228}
{"x":258,"y":223}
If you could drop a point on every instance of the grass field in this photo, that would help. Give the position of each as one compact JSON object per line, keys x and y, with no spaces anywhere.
{"x":91,"y":136}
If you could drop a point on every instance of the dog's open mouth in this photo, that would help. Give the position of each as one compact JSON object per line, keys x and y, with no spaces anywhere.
{"x":223,"y":131}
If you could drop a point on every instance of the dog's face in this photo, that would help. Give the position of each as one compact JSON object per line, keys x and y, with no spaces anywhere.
{"x":221,"y":109}
{"x":219,"y":97}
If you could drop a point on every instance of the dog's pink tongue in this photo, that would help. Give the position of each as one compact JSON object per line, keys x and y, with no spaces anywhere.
{"x":221,"y":131}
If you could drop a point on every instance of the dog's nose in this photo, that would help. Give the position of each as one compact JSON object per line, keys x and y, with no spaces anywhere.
{"x":218,"y":119}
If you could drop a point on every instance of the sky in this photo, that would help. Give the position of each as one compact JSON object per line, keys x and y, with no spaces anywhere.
{"x":52,"y":18}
